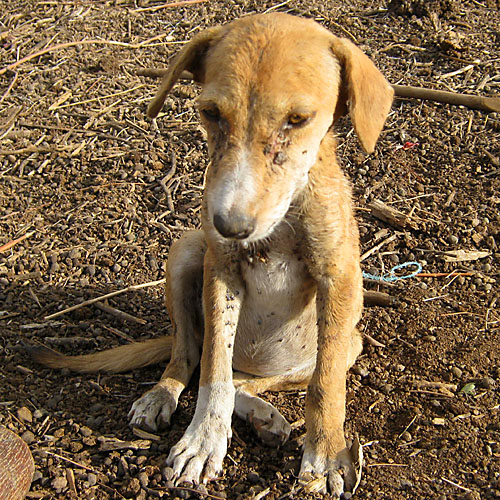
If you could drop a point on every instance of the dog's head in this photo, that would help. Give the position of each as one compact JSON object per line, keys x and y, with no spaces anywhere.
{"x":273,"y":84}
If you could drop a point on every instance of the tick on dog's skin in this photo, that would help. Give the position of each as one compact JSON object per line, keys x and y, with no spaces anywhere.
{"x":278,"y":253}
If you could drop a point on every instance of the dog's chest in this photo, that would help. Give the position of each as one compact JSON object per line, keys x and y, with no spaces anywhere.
{"x":277,"y":325}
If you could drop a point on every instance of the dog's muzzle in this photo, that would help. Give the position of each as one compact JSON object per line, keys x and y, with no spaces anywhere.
{"x":234,"y":225}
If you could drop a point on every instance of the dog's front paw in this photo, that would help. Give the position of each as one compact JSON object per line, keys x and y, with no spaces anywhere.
{"x":153,"y":410}
{"x":341,"y":473}
{"x":198,"y":456}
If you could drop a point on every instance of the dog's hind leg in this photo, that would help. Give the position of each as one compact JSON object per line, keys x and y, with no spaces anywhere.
{"x":183,"y":289}
{"x":269,"y":424}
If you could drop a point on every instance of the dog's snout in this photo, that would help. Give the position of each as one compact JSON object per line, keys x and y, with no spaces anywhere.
{"x":234,"y":225}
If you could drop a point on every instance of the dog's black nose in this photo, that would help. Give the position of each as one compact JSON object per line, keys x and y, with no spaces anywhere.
{"x":234,"y":225}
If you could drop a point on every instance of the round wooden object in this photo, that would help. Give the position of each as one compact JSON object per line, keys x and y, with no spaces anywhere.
{"x":16,"y":466}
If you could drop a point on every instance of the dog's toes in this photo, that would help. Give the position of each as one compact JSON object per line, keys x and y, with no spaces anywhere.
{"x":340,"y":475}
{"x":198,"y":456}
{"x":274,"y":430}
{"x":266,"y":420}
{"x":153,"y":410}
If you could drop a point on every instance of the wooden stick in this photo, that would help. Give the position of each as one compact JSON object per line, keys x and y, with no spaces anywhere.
{"x":441,"y":275}
{"x":104,"y":297}
{"x":11,"y":243}
{"x":388,"y":214}
{"x":167,"y":5}
{"x":488,"y":104}
{"x":124,"y":316}
{"x":66,"y":45}
{"x":378,"y":247}
{"x":374,"y":298}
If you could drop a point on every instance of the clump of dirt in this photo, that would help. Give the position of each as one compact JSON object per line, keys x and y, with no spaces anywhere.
{"x":424,"y":8}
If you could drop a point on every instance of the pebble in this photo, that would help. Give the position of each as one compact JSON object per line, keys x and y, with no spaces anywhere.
{"x":143,"y":479}
{"x":406,"y":436}
{"x":253,"y":477}
{"x":131,"y":488}
{"x":25,"y":415}
{"x":91,"y":479}
{"x":452,"y":239}
{"x":487,"y":383}
{"x":59,"y":483}
{"x":38,"y":414}
{"x":457,"y":372}
{"x":37,"y":476}
{"x":85,"y":431}
{"x":386,"y":388}
{"x":28,"y":437}
{"x":360,"y":370}
{"x":167,"y":473}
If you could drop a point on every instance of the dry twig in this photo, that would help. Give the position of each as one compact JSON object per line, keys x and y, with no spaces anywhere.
{"x":59,"y":46}
{"x":10,"y":244}
{"x":170,"y":4}
{"x":119,"y":314}
{"x":488,"y":104}
{"x":104,"y":297}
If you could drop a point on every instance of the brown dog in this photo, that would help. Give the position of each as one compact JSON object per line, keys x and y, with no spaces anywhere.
{"x":271,"y":286}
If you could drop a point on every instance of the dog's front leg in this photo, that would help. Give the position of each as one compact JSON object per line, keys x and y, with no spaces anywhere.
{"x":325,"y":452}
{"x":199,"y":454}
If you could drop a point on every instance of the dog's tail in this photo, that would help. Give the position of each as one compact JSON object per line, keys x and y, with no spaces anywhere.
{"x":119,"y":359}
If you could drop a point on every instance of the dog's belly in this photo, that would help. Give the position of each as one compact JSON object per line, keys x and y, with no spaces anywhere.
{"x":277,"y":332}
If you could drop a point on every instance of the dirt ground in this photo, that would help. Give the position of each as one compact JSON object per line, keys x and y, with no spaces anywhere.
{"x":80,"y":172}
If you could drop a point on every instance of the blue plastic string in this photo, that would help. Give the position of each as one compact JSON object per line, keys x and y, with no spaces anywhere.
{"x":390,"y":276}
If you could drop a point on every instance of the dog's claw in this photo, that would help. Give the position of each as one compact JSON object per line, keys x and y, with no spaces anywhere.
{"x":153,"y":410}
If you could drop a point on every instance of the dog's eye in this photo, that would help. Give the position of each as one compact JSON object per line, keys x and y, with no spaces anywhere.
{"x":211,"y":114}
{"x":296,"y":119}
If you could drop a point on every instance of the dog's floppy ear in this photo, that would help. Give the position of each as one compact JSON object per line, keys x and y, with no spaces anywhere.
{"x":190,"y":58}
{"x":364,"y":92}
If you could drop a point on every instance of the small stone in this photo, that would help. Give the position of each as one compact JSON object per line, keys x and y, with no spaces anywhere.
{"x":28,"y":437}
{"x":386,"y":388}
{"x":131,"y":488}
{"x":37,"y":476}
{"x":85,"y":431}
{"x":360,"y":370}
{"x":38,"y":414}
{"x":59,"y":483}
{"x":143,"y":479}
{"x":429,"y":338}
{"x":91,"y":479}
{"x":452,"y":239}
{"x":457,"y":372}
{"x":253,"y":477}
{"x":487,"y":383}
{"x":406,"y":436}
{"x":24,"y":415}
{"x":168,"y":473}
